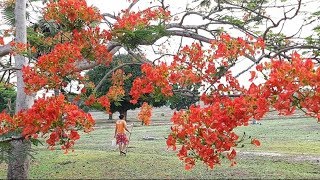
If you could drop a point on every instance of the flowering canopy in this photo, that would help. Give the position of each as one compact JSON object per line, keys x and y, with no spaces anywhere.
{"x":201,"y":132}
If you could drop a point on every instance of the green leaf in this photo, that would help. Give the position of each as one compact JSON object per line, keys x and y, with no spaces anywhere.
{"x":35,"y":142}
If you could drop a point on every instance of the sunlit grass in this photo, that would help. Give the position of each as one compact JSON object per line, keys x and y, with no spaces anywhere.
{"x":95,"y":158}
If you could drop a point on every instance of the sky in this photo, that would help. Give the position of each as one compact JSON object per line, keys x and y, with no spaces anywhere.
{"x":289,"y":28}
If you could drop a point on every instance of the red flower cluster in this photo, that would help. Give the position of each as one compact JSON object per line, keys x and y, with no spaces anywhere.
{"x":188,"y":64}
{"x":51,"y":69}
{"x":138,"y":20}
{"x":53,"y":116}
{"x":21,"y":48}
{"x":206,"y":133}
{"x":228,"y":47}
{"x":118,"y":77}
{"x":104,"y":101}
{"x":145,"y":113}
{"x":90,"y":100}
{"x":116,"y":92}
{"x":154,"y":80}
{"x":92,"y":42}
{"x":293,"y":84}
{"x":1,"y":40}
{"x":255,"y":142}
{"x":7,"y":123}
{"x":71,"y":13}
{"x":194,"y":65}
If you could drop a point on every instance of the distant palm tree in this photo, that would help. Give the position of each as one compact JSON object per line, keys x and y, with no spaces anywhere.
{"x":7,"y":11}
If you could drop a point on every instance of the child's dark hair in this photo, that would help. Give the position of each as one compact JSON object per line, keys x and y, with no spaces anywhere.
{"x":121,"y":116}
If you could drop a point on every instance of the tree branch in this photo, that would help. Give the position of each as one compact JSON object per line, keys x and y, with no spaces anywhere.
{"x":189,"y":34}
{"x":109,"y":15}
{"x":111,"y":71}
{"x":294,"y":47}
{"x":5,"y":50}
{"x":10,"y":68}
{"x":85,"y":65}
{"x":282,"y":19}
{"x":11,"y":139}
{"x":132,"y":4}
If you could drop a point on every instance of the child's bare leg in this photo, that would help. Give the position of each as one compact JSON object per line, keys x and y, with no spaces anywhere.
{"x":120,"y":148}
{"x":124,"y":146}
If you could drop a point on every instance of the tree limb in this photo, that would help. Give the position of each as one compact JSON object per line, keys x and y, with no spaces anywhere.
{"x":10,"y":68}
{"x":282,"y":19}
{"x":111,"y":71}
{"x":7,"y":140}
{"x":5,"y":50}
{"x":294,"y":47}
{"x":109,"y":15}
{"x":85,"y":65}
{"x":189,"y":34}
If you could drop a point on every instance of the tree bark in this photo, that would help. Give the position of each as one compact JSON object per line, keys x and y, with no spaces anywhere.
{"x":124,"y":112}
{"x":18,"y":166}
{"x":5,"y":50}
{"x":110,"y":116}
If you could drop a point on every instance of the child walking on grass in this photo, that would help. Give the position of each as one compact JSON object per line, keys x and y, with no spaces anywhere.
{"x":120,"y":134}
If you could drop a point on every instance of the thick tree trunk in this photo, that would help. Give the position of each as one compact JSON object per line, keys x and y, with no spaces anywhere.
{"x":18,"y":167}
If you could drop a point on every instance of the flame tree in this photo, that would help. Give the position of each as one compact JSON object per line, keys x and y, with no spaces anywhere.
{"x":71,"y":40}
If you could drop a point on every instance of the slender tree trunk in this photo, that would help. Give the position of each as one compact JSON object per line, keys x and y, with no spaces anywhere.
{"x":18,"y":167}
{"x":123,"y":112}
{"x":110,"y":116}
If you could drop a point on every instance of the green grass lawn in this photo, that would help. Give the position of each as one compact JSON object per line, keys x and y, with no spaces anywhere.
{"x":290,"y":150}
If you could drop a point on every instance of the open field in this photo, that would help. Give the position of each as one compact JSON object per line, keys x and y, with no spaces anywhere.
{"x":290,"y":150}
